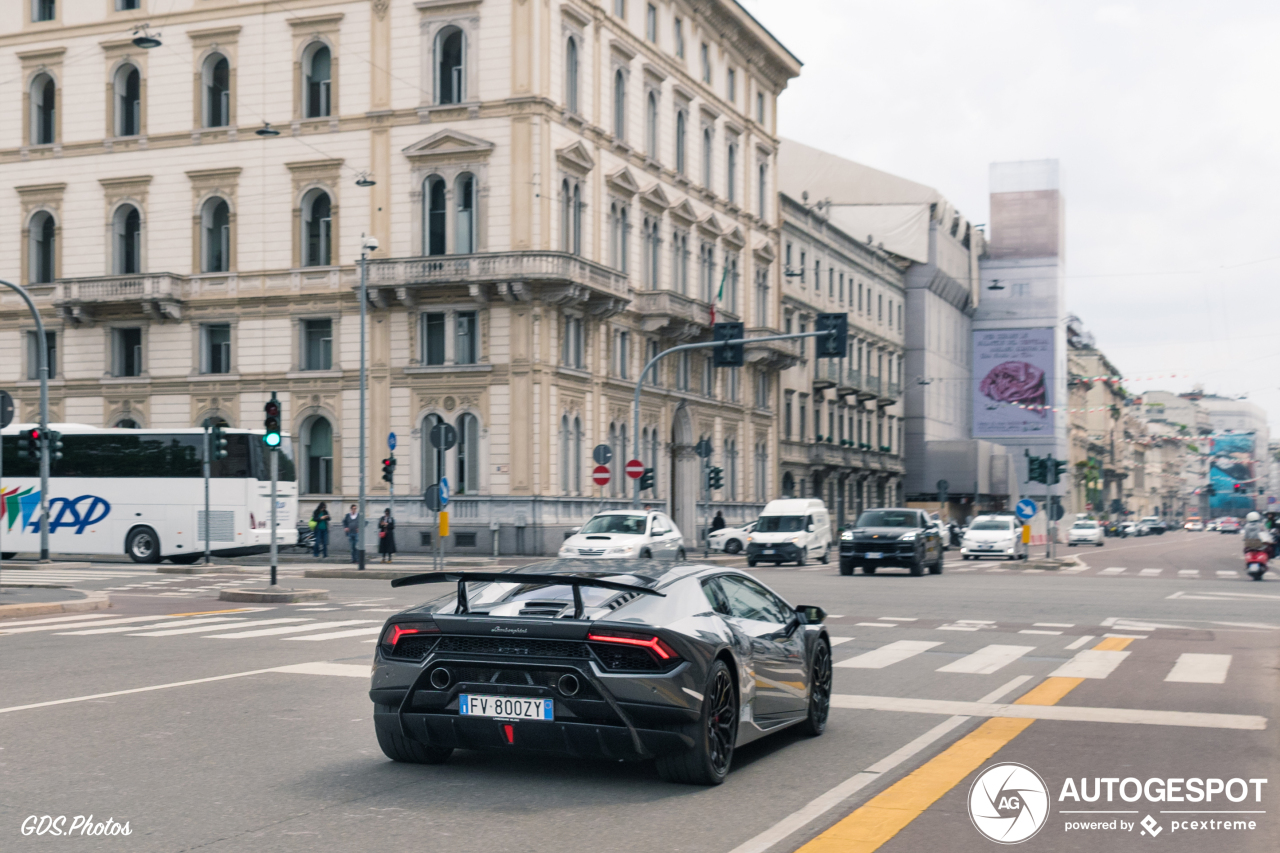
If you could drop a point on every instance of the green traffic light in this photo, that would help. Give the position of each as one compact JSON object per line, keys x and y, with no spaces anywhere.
{"x":272,"y":439}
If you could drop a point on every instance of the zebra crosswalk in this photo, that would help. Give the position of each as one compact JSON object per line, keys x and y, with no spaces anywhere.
{"x":234,"y":624}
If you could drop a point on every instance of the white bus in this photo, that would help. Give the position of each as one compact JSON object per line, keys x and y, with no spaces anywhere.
{"x":141,"y":492}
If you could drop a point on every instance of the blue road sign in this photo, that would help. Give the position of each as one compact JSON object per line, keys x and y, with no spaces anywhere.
{"x":444,"y":491}
{"x":391,"y":441}
{"x":1025,"y":509}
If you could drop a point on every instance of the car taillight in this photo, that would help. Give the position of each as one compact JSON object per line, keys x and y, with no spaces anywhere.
{"x":648,"y":641}
{"x":396,"y":630}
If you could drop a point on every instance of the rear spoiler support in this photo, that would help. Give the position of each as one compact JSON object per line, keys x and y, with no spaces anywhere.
{"x":574,"y":581}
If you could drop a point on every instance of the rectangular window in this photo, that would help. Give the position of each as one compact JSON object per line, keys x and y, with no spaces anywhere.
{"x":571,"y":353}
{"x":880,"y":309}
{"x":679,"y":34}
{"x":802,"y":263}
{"x":841,"y":288}
{"x":466,"y":349}
{"x":433,"y":338}
{"x":651,"y":23}
{"x":733,"y":380}
{"x":804,"y":426}
{"x":464,"y":540}
{"x":786,"y":415}
{"x":127,"y":5}
{"x":33,"y":354}
{"x":831,"y":282}
{"x":126,"y":352}
{"x":317,"y":345}
{"x":890,"y":313}
{"x":683,"y":369}
{"x":760,"y":107}
{"x":620,"y":8}
{"x":655,"y":372}
{"x":762,"y":389}
{"x":43,"y":10}
{"x":216,"y":352}
{"x":708,"y":377}
{"x":732,"y":85}
{"x":706,"y":63}
{"x":621,"y":353}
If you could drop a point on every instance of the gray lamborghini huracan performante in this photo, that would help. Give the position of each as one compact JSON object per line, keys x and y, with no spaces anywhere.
{"x":640,"y":660}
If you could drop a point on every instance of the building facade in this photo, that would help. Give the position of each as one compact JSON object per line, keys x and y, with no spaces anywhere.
{"x":558,"y":191}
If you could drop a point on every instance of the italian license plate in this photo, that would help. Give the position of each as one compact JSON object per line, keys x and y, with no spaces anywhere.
{"x":510,"y":707}
{"x":874,"y":555}
{"x":767,"y":551}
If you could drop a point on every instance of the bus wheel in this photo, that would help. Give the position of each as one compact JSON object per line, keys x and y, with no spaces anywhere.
{"x":143,"y":545}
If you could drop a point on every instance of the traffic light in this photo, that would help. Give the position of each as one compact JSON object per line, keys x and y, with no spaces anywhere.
{"x":1037,"y":470}
{"x":29,"y":444}
{"x":1238,"y":488}
{"x":389,"y":469}
{"x":218,"y":441}
{"x":55,"y":445}
{"x":1210,"y":490}
{"x":835,"y":344}
{"x":271,"y":423}
{"x":715,"y":478}
{"x":646,"y":480}
{"x":728,"y":354}
{"x":1057,"y":469}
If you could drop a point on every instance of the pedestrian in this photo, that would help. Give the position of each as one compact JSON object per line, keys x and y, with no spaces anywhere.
{"x":320,"y":531}
{"x":717,"y":523}
{"x":351,"y":526}
{"x":386,"y":536}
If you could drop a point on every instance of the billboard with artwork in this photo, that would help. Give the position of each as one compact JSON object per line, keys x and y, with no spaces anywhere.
{"x":1013,"y":387}
{"x":1231,"y":462}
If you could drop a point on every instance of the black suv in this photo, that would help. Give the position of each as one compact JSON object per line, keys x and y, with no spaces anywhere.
{"x":893,"y":536}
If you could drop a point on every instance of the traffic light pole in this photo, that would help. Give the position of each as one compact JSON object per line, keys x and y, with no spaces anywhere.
{"x":43,"y":359}
{"x":364,"y":309}
{"x":208,"y":465}
{"x":275,"y":478}
{"x":635,"y":497}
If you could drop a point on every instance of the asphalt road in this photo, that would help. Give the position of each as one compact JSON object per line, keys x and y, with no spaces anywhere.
{"x":1158,"y":660}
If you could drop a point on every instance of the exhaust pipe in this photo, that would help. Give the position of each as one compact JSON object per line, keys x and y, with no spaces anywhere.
{"x":440,"y":678}
{"x":568,"y":684}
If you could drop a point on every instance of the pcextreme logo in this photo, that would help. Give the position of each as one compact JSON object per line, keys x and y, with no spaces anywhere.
{"x":75,"y":513}
{"x":1009,"y":803}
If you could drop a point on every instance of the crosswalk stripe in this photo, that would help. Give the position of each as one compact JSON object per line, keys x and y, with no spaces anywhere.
{"x":1090,"y":663}
{"x":887,"y":655}
{"x":353,"y":632}
{"x":291,"y":629}
{"x":1114,"y":570}
{"x":1078,"y":642}
{"x":835,"y":641}
{"x":87,"y":624}
{"x":122,"y":629}
{"x":201,"y":629}
{"x":1188,"y":573}
{"x":1149,"y":573}
{"x":1226,"y":573}
{"x":79,"y":617}
{"x":987,"y":660}
{"x":1200,"y":669}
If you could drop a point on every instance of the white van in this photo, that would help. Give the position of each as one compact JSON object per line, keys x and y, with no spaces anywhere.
{"x":791,"y":530}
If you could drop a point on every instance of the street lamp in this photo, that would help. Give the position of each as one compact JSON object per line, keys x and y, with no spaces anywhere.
{"x":144,"y":39}
{"x":267,"y":130}
{"x":368,"y":244}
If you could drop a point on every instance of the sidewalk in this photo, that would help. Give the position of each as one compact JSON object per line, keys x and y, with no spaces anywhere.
{"x":37,"y":601}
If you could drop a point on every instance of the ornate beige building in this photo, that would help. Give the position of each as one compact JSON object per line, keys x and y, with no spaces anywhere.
{"x":559,"y":190}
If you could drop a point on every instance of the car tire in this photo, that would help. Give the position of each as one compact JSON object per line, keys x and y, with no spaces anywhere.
{"x":868,"y":570}
{"x":751,"y":561}
{"x":400,"y":748}
{"x":917,"y":566}
{"x":680,"y":555}
{"x":714,"y":736}
{"x":803,"y":559}
{"x":819,"y":690}
{"x":936,"y":568}
{"x":646,"y":554}
{"x":846,"y":569}
{"x":143,"y":545}
{"x":733,"y":546}
{"x":826,"y":555}
{"x":1099,"y":544}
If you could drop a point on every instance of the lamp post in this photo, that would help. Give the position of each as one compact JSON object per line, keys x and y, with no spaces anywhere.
{"x":43,"y":359}
{"x":367,"y":245}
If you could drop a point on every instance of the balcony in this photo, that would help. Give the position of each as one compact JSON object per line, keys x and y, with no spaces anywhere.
{"x":673,"y":314}
{"x":829,"y":454}
{"x":512,"y":276}
{"x":826,"y":373}
{"x":870,"y":387}
{"x":849,"y":381}
{"x":158,"y":295}
{"x":892,"y":391}
{"x":775,"y":355}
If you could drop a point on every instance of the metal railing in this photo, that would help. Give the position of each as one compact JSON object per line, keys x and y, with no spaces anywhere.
{"x":119,"y":288}
{"x":496,"y":267}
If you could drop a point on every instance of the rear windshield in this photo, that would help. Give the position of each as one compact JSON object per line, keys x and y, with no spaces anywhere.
{"x":1085,"y":525}
{"x":615,"y":524}
{"x":888,"y":518}
{"x":780,"y":524}
{"x":994,"y":524}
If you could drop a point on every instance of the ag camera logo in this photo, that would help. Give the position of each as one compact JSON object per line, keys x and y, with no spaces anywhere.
{"x":1009,"y":803}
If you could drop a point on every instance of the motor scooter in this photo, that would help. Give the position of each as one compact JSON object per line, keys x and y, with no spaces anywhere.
{"x":1255,"y":562}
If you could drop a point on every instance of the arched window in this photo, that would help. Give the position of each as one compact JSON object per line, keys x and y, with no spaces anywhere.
{"x":217,"y":91}
{"x":215,"y":235}
{"x":320,"y":457}
{"x":566,"y":217}
{"x":468,"y":482}
{"x":42,"y":254}
{"x":706,"y":158}
{"x":577,"y":219}
{"x":127,"y":242}
{"x":731,"y":169}
{"x":436,"y":214}
{"x":788,"y":485}
{"x":127,"y":423}
{"x":318,"y":68}
{"x":571,"y":75}
{"x":44,"y":97}
{"x":651,"y":126}
{"x":681,"y":132}
{"x":128,"y":91}
{"x":317,"y":229}
{"x":450,"y":56}
{"x":432,"y":457}
{"x":620,"y":105}
{"x":566,"y":440}
{"x":465,"y":237}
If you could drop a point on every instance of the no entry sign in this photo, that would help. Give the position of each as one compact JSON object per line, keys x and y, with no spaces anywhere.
{"x":600,"y":475}
{"x":635,"y":468}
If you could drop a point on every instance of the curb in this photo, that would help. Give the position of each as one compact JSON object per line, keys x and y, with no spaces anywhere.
{"x":195,"y":570}
{"x":367,"y":574}
{"x":92,"y":601}
{"x":274,"y":596}
{"x":35,"y":585}
{"x":31,"y":565}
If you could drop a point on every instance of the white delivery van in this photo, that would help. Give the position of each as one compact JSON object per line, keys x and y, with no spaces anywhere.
{"x":791,"y":530}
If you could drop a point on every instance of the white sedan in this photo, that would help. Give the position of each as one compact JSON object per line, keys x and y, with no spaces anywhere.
{"x":731,"y":540}
{"x":1085,"y":532}
{"x":626,"y":533}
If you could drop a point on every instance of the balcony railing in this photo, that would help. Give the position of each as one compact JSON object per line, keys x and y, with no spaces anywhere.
{"x":826,"y":372}
{"x":119,"y":288}
{"x":871,"y":384}
{"x":497,"y":267}
{"x":681,"y":316}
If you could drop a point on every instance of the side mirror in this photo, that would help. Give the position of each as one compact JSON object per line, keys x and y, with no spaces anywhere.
{"x":809,"y":529}
{"x":811,"y":614}
{"x":573,"y":530}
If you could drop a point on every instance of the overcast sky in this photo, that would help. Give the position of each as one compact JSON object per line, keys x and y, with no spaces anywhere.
{"x":1164,"y":116}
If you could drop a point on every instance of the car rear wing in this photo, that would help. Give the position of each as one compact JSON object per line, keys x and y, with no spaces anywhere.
{"x":574,"y":581}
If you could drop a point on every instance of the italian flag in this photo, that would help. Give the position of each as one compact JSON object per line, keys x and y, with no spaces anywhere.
{"x":719,"y":294}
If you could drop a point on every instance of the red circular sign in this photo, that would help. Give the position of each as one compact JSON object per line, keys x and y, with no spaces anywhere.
{"x":601,"y":475}
{"x":635,"y":468}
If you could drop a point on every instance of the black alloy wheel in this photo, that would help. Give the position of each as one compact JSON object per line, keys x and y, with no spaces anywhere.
{"x":819,"y":690}
{"x":715,"y":735}
{"x":733,"y":546}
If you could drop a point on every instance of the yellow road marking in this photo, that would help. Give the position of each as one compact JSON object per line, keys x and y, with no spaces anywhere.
{"x":888,"y":813}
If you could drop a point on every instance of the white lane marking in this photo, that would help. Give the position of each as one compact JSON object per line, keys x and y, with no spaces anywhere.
{"x":898,"y":618}
{"x":291,"y":629}
{"x":1200,"y":669}
{"x":966,"y":569}
{"x":997,"y":570}
{"x":1114,"y":570}
{"x":80,"y":617}
{"x":987,"y":660}
{"x":124,"y":621}
{"x":200,"y":629}
{"x":121,"y":629}
{"x":353,"y":632}
{"x":1149,"y":573}
{"x":350,"y":670}
{"x":887,"y":655}
{"x":825,"y":802}
{"x":1226,"y":573}
{"x":1188,"y":573}
{"x":957,"y":628}
{"x":875,"y":624}
{"x":1063,"y":713}
{"x":835,"y":641}
{"x":975,"y":621}
{"x":1053,"y":624}
{"x":1079,"y":641}
{"x":1090,"y":663}
{"x":1049,"y":633}
{"x":1073,"y":569}
{"x":134,"y":690}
